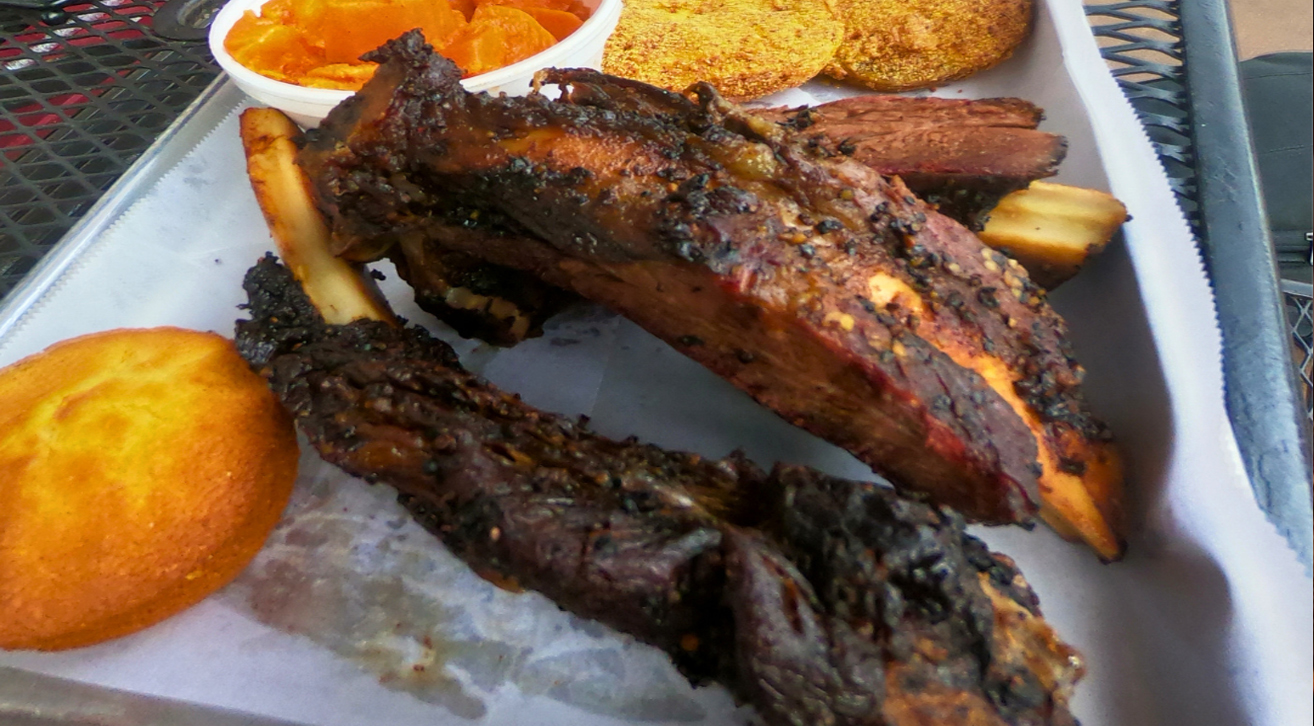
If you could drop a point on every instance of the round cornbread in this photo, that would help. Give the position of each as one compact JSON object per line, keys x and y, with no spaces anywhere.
{"x":746,"y":48}
{"x":900,"y":45}
{"x":140,"y":470}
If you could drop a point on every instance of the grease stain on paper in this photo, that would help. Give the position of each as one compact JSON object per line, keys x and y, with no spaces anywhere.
{"x":348,"y":569}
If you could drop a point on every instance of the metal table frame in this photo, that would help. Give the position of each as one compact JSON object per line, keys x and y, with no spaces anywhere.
{"x":1177,"y":63}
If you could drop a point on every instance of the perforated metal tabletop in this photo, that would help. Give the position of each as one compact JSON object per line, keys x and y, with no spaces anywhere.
{"x":83,"y":92}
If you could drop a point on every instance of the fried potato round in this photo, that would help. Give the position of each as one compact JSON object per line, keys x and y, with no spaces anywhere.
{"x":900,"y":45}
{"x":140,"y":470}
{"x":746,"y":48}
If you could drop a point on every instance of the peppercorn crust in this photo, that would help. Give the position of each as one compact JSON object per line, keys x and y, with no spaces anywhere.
{"x":746,"y":48}
{"x":140,"y":470}
{"x":900,"y":45}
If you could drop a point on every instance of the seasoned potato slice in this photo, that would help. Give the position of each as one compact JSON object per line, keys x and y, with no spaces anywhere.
{"x":1053,"y":229}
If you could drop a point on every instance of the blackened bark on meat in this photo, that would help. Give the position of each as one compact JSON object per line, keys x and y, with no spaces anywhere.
{"x":961,"y":155}
{"x":866,"y":317}
{"x":614,"y":531}
{"x":819,"y":600}
{"x":856,"y":540}
{"x":794,"y":658}
{"x":892,"y":569}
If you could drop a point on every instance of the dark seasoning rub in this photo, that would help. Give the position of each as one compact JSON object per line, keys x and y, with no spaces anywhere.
{"x":828,"y":293}
{"x":819,"y":600}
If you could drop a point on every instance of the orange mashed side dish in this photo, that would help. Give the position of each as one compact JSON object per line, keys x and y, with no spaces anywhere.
{"x":318,"y":43}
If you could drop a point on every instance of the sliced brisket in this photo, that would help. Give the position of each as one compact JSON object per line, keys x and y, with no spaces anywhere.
{"x":961,"y":155}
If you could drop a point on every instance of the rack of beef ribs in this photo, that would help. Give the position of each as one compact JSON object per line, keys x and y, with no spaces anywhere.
{"x":818,"y":600}
{"x":828,"y":293}
{"x":961,"y":155}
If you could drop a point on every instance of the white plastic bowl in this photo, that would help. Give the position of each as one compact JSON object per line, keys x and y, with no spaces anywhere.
{"x":309,"y":106}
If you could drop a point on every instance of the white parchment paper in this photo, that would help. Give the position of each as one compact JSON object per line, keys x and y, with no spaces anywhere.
{"x":353,"y":615}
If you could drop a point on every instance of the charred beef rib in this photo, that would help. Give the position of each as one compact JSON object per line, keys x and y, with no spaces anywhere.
{"x":819,"y":600}
{"x":826,"y":292}
{"x":961,"y":155}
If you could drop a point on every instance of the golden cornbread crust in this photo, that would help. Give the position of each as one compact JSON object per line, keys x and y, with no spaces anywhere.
{"x":746,"y":48}
{"x":900,"y":45}
{"x":140,"y":470}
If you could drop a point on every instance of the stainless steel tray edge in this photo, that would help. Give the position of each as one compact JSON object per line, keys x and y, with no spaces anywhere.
{"x":32,"y":699}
